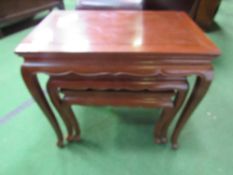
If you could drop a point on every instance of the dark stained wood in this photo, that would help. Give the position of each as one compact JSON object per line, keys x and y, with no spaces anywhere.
{"x":119,"y":43}
{"x":184,"y":5}
{"x":201,"y":11}
{"x":109,"y":5}
{"x":12,"y":11}
{"x":206,"y":12}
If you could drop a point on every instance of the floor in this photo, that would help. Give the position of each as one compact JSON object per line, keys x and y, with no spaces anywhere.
{"x":117,"y":140}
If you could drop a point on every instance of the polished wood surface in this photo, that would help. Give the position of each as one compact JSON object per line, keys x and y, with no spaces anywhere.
{"x":128,"y":44}
{"x":108,"y":90}
{"x":117,"y":32}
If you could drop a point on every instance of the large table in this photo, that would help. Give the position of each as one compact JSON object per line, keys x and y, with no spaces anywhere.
{"x":143,"y":44}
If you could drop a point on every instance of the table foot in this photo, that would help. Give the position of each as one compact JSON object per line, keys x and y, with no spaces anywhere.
{"x":164,"y":140}
{"x":69,"y":138}
{"x":60,"y":144}
{"x":77,"y":138}
{"x":175,"y":146}
{"x":157,"y":140}
{"x":66,"y":107}
{"x":158,"y":134}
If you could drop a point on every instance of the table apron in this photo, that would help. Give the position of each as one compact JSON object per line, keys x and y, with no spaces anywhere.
{"x":177,"y":70}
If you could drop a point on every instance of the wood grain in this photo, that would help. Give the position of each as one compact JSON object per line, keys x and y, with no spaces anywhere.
{"x":119,"y":43}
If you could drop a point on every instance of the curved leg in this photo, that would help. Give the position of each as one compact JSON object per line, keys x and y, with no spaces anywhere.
{"x":66,"y":107}
{"x":54,"y":96}
{"x":158,"y":128}
{"x":179,"y":100}
{"x":34,"y":88}
{"x":201,"y":86}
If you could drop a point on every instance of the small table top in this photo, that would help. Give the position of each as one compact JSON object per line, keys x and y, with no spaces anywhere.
{"x":155,"y":32}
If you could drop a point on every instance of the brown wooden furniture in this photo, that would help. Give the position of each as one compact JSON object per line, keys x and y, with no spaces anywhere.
{"x":114,"y":43}
{"x":201,"y":11}
{"x":12,"y":11}
{"x":206,"y":12}
{"x":109,"y":4}
{"x":117,"y":91}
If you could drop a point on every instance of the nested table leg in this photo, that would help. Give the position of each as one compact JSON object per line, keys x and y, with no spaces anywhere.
{"x":201,"y":86}
{"x":34,"y":88}
{"x":68,"y":111}
{"x":179,"y":100}
{"x":54,"y":96}
{"x":166,"y":113}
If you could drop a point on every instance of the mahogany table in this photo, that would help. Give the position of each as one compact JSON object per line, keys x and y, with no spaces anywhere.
{"x":132,"y":43}
{"x":148,"y":92}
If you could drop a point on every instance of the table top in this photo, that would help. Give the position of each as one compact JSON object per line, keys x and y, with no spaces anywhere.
{"x":155,"y":32}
